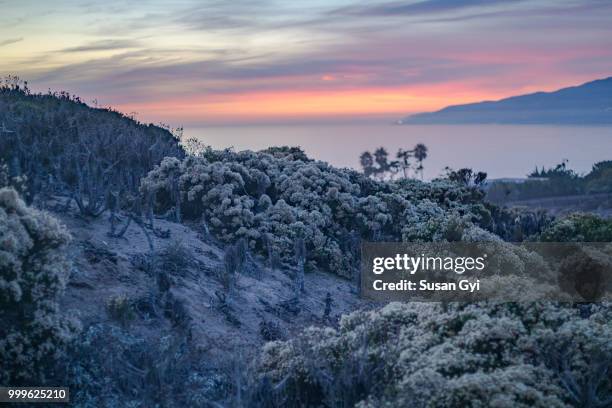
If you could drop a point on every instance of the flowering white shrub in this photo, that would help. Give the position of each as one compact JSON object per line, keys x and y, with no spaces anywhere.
{"x":424,"y":354}
{"x":33,"y":272}
{"x":283,"y":195}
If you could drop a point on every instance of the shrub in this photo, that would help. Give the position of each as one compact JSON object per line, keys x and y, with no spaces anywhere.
{"x":110,"y":367}
{"x":33,"y":273}
{"x":64,"y":146}
{"x":423,"y":354}
{"x":270,"y":330}
{"x":599,"y":180}
{"x":17,"y":182}
{"x":120,"y":308}
{"x":556,"y":181}
{"x":234,"y":260}
{"x":175,"y":258}
{"x":271,"y":198}
{"x":517,"y":224}
{"x":578,"y":228}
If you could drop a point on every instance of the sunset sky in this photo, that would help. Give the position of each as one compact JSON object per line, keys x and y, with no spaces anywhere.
{"x":195,"y":63}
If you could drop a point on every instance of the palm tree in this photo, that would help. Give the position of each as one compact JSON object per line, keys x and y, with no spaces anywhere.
{"x":381,"y":158}
{"x":420,"y":153}
{"x":367,"y":163}
{"x":404,"y":160}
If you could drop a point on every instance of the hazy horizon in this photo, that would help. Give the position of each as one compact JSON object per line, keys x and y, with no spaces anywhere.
{"x":503,"y":151}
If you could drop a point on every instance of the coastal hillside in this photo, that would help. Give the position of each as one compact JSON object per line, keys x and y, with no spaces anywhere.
{"x":146,"y":271}
{"x":586,"y":104}
{"x":62,"y":145}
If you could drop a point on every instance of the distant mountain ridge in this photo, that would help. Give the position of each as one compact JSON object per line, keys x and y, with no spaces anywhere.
{"x":586,"y":104}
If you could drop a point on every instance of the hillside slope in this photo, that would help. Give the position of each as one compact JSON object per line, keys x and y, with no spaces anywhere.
{"x":263,"y":246}
{"x":106,"y":267}
{"x":586,"y":104}
{"x":64,"y":146}
{"x":120,"y":300}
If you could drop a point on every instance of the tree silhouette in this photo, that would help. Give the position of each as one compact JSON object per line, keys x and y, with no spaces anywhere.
{"x":378,"y":164}
{"x":384,"y":166}
{"x":420,"y":153}
{"x":367,"y":163}
{"x":381,"y":156}
{"x":466,"y":177}
{"x":403,"y":157}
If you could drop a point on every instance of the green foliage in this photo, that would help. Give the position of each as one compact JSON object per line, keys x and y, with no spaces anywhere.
{"x":556,"y":181}
{"x":599,"y":180}
{"x":578,"y":228}
{"x":424,"y":355}
{"x":33,"y":273}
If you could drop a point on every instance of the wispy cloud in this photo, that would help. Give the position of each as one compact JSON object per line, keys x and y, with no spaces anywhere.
{"x":224,"y":15}
{"x":532,"y":11}
{"x":103,"y":45}
{"x":10,"y":41}
{"x":180,"y":57}
{"x":420,"y":7}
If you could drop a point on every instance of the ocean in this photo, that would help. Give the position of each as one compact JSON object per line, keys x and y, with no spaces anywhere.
{"x":500,"y":150}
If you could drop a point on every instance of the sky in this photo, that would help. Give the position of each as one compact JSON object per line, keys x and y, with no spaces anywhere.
{"x":198,"y":63}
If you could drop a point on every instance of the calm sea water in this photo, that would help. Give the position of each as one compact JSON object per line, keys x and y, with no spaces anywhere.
{"x":500,"y":150}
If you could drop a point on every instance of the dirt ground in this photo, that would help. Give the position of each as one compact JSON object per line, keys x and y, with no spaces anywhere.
{"x":107,"y":268}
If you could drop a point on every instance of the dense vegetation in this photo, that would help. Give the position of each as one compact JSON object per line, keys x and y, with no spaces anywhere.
{"x":578,"y":228}
{"x":33,"y":273}
{"x":427,"y":355}
{"x":272,"y":199}
{"x":289,"y":208}
{"x":63,"y":146}
{"x":553,"y":182}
